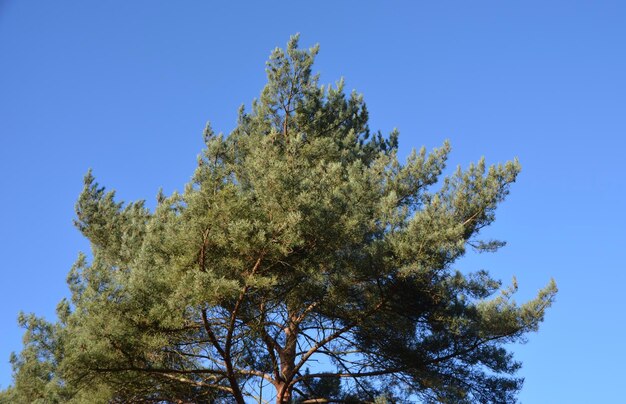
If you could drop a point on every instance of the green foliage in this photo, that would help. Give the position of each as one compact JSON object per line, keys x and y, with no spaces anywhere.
{"x":301,"y":236}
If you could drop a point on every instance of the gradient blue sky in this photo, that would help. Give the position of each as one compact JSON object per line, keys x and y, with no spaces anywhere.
{"x":125,"y":87}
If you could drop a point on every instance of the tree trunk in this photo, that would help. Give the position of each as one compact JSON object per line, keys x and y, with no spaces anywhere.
{"x":284,"y":388}
{"x":283,"y":395}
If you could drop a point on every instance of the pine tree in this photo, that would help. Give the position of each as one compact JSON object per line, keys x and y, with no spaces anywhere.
{"x":300,"y":240}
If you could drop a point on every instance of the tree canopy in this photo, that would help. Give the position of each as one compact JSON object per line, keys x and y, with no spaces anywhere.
{"x":303,"y":263}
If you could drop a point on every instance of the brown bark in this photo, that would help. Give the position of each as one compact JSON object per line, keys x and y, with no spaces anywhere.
{"x":283,"y":393}
{"x":284,"y":386}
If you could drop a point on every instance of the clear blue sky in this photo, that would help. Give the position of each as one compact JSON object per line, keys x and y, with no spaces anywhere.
{"x":125,"y":87}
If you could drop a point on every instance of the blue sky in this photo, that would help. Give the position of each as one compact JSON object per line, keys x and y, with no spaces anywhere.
{"x":126,"y":88}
